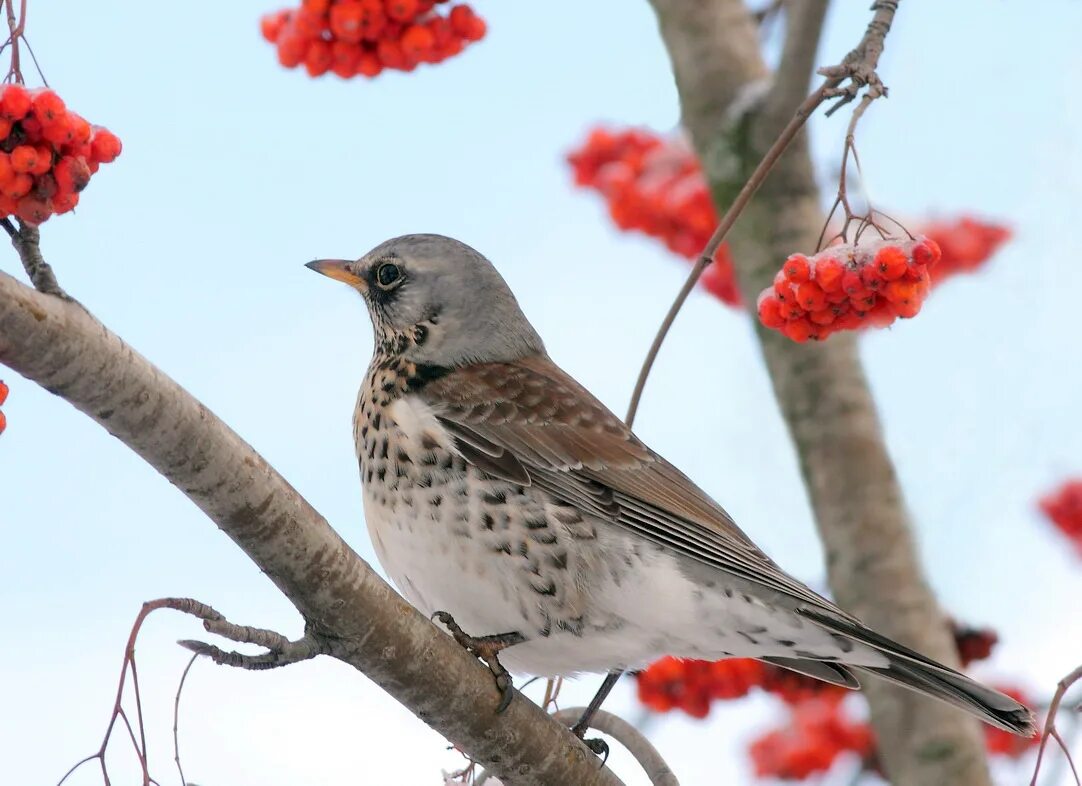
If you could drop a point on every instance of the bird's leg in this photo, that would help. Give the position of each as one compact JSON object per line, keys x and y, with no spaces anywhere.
{"x":487,"y":648}
{"x":598,"y":746}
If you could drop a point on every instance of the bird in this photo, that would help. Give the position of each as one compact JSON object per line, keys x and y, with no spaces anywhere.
{"x":509,"y":504}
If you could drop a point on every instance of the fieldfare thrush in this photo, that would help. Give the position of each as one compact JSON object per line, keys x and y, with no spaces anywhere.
{"x":502,"y":497}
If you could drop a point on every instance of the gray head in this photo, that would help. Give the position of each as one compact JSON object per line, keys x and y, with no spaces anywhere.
{"x":437,"y":301}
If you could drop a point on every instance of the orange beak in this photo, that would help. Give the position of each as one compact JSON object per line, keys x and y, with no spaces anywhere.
{"x":338,"y":269}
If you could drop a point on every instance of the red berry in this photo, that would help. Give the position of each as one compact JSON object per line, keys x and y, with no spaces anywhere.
{"x":15,"y":102}
{"x":402,"y":10}
{"x":891,"y":262}
{"x":770,"y":312}
{"x":318,"y":59}
{"x":104,"y":146}
{"x":797,"y":269}
{"x":47,"y":106}
{"x":4,"y":390}
{"x":24,"y":158}
{"x":417,"y":40}
{"x":852,"y":282}
{"x":3,"y":422}
{"x":270,"y":25}
{"x":871,"y":278}
{"x":369,"y":65}
{"x":828,"y":274}
{"x":799,"y":330}
{"x":926,"y":252}
{"x":810,"y":296}
{"x":790,"y":309}
{"x":34,"y":210}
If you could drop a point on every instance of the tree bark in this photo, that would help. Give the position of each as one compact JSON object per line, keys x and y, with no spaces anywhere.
{"x":872,"y":562}
{"x":58,"y":344}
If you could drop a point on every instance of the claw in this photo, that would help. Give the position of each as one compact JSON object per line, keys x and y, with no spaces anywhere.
{"x":599,"y":747}
{"x":487,"y":648}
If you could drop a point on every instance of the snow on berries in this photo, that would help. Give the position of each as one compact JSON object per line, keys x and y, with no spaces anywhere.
{"x":1063,"y":507}
{"x":364,"y":37}
{"x":47,"y":153}
{"x":848,"y":287}
{"x":655,"y":186}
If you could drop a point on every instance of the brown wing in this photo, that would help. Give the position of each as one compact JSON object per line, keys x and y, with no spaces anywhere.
{"x":531,"y":423}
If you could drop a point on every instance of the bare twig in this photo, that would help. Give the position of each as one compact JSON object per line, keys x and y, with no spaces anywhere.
{"x":180,"y":604}
{"x":176,"y":719}
{"x":843,"y":82}
{"x":1050,"y":725}
{"x":26,"y":240}
{"x":282,"y":651}
{"x":16,"y":27}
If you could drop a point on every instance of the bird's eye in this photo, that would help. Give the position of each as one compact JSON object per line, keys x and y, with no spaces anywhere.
{"x":388,"y":274}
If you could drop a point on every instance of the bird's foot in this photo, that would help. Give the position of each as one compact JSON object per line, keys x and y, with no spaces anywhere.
{"x":597,"y":745}
{"x":487,"y":648}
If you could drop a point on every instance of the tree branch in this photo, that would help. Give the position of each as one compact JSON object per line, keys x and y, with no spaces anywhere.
{"x":872,"y":561}
{"x":59,"y":345}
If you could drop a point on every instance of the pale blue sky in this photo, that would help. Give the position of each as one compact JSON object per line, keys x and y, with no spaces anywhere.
{"x":235,"y":172}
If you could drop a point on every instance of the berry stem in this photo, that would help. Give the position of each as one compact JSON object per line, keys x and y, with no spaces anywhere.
{"x":26,"y":239}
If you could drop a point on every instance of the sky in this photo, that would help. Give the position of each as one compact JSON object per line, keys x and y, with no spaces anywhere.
{"x":235,"y":172}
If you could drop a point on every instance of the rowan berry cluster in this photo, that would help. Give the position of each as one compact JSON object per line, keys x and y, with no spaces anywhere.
{"x":848,"y":287}
{"x":1064,"y":509}
{"x":691,"y":685}
{"x":47,"y":153}
{"x":655,"y":186}
{"x":3,"y":398}
{"x":363,"y":37}
{"x":817,"y":732}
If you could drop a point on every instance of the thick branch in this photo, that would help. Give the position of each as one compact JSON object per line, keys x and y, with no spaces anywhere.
{"x":872,"y":562}
{"x":59,"y":345}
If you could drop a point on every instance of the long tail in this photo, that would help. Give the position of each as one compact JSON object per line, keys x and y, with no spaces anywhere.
{"x":913,"y":670}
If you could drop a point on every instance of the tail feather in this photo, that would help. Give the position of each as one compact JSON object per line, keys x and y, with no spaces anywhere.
{"x":915,"y":671}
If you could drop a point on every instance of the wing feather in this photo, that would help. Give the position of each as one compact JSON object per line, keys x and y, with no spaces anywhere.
{"x":531,"y":423}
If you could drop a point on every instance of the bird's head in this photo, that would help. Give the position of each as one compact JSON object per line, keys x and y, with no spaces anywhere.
{"x":435,"y":300}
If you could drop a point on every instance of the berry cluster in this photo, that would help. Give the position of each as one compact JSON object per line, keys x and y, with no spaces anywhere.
{"x":848,"y":287}
{"x":691,"y":685}
{"x":655,"y":186}
{"x":1064,"y":509}
{"x":816,"y":734}
{"x":967,"y":243}
{"x":47,"y":153}
{"x":3,"y":398}
{"x":363,"y":37}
